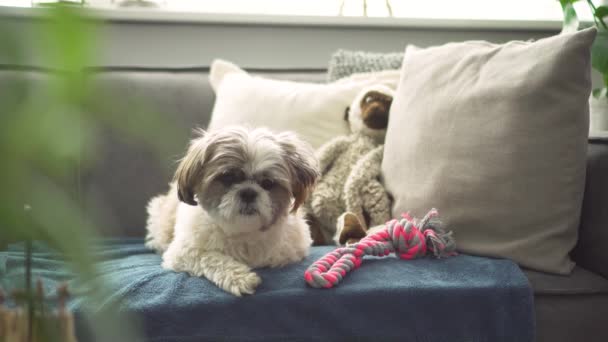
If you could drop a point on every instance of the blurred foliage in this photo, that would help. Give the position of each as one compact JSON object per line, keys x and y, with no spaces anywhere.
{"x":48,"y":133}
{"x":599,"y":50}
{"x":42,"y":136}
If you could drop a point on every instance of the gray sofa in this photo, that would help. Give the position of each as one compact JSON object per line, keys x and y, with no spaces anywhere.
{"x":127,"y":173}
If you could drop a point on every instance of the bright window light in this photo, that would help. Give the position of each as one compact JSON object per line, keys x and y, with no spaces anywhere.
{"x":438,"y":9}
{"x":15,"y":3}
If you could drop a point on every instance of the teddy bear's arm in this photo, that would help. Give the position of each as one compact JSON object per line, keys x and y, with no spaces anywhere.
{"x":363,"y":192}
{"x":331,"y":150}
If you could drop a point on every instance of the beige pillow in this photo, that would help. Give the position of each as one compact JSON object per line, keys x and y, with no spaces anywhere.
{"x":494,"y":136}
{"x":313,"y":110}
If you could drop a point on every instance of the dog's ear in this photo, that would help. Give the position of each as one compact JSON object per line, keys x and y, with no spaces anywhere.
{"x":190,"y":170}
{"x":303,"y":166}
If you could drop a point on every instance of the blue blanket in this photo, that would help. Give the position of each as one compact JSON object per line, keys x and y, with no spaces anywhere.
{"x":464,"y":298}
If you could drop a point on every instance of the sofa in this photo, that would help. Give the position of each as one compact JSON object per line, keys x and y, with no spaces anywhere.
{"x":127,"y":173}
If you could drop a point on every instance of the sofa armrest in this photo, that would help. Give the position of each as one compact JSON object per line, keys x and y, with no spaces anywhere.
{"x":591,"y":251}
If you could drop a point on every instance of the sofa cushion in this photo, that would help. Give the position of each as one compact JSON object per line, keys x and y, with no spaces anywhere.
{"x":494,"y":136}
{"x":344,"y":63}
{"x":127,"y":172}
{"x":592,"y":248}
{"x":462,"y":298}
{"x":571,"y":318}
{"x":579,"y":282}
{"x":568,"y":307}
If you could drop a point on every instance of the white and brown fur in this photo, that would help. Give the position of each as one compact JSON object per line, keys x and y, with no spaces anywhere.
{"x":233,"y":206}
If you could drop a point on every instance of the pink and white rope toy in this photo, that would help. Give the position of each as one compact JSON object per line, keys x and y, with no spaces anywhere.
{"x":408,"y":238}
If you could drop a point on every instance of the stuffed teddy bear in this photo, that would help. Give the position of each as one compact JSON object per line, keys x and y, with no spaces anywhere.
{"x":338,"y":159}
{"x":367,"y":202}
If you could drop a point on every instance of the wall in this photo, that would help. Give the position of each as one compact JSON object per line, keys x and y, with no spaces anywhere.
{"x":181,"y":40}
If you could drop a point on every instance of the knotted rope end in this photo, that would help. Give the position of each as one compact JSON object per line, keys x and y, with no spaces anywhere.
{"x":407,"y":238}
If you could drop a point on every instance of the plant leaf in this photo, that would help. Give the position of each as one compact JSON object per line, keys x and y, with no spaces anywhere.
{"x":599,"y":52}
{"x":601,"y":12}
{"x":599,"y":92}
{"x":570,"y":18}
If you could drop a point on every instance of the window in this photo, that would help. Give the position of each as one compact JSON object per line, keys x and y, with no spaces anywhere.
{"x":532,"y":10}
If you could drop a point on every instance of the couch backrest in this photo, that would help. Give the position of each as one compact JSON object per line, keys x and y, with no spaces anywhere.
{"x":127,"y":172}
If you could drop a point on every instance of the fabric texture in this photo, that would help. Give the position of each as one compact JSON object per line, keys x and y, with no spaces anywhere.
{"x":364,"y":193}
{"x":314,"y":111}
{"x":592,"y":248}
{"x":567,"y":318}
{"x":579,"y":282}
{"x":463,"y":298}
{"x":496,"y":136}
{"x":344,"y":63}
{"x":337,"y":159}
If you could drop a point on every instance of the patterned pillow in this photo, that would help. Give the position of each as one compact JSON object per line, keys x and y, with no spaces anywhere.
{"x":344,"y":63}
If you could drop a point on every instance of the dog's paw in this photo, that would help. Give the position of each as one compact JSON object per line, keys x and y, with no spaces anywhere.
{"x":154,"y":245}
{"x":242,"y":283}
{"x":169,"y":265}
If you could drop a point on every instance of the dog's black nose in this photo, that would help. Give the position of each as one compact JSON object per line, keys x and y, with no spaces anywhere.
{"x":248,"y":195}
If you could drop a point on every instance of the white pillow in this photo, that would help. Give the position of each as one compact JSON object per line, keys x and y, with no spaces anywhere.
{"x":495,"y":136}
{"x":315,"y":111}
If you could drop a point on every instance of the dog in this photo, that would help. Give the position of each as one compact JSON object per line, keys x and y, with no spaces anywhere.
{"x":233,"y":206}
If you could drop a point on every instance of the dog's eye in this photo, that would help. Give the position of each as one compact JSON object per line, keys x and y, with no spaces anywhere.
{"x":368,"y":99}
{"x":226,"y":178}
{"x":231,"y":177}
{"x":267,"y":184}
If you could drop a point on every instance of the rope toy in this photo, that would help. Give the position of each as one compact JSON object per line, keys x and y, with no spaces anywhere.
{"x":408,"y":238}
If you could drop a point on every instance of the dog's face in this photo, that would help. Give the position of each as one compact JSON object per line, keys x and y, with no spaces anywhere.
{"x":246,"y":179}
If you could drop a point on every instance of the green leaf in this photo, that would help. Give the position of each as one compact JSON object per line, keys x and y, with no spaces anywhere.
{"x":599,"y":52}
{"x":67,"y":43}
{"x":570,"y":18}
{"x":601,"y":12}
{"x":599,"y":92}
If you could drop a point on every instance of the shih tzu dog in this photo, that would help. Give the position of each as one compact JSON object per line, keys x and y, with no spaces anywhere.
{"x":233,"y":206}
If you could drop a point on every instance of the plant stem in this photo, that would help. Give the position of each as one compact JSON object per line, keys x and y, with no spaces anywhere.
{"x":28,"y":273}
{"x":389,"y":8}
{"x":28,"y":288}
